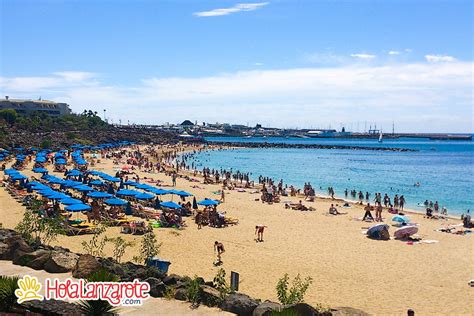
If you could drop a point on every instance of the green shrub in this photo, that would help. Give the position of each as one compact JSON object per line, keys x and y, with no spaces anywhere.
{"x":193,"y":291}
{"x":8,"y":285}
{"x":36,"y":229}
{"x":221,"y":284}
{"x":149,"y":248}
{"x":294,"y":294}
{"x":95,"y":246}
{"x":120,"y":245}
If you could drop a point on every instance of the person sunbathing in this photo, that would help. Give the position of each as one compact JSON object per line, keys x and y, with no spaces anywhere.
{"x":333,"y":210}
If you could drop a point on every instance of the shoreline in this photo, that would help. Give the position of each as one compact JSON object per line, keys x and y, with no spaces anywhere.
{"x":318,"y":195}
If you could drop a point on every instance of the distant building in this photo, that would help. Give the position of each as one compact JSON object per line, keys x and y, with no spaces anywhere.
{"x":187,"y":123}
{"x":29,"y":106}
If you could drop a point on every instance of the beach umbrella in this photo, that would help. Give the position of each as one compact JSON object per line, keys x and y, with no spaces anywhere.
{"x":183,"y":193}
{"x":400,"y":219}
{"x":132,"y":183}
{"x":83,"y":188}
{"x":208,"y":202}
{"x":405,"y":232}
{"x":56,"y":195}
{"x":18,"y":176}
{"x":10,"y":171}
{"x":60,"y":162}
{"x":70,"y":201}
{"x":170,"y":204}
{"x":144,"y":196}
{"x":143,"y":186}
{"x":71,"y":183}
{"x":127,"y":192}
{"x":115,"y":201}
{"x":39,"y":170}
{"x":55,"y":180}
{"x":158,"y":191}
{"x":74,"y":173}
{"x":98,"y":195}
{"x":94,"y":172}
{"x":97,"y":182}
{"x":78,"y":207}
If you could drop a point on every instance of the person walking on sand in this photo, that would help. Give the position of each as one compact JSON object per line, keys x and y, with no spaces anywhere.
{"x":259,"y":229}
{"x":219,"y":247}
{"x":368,"y":214}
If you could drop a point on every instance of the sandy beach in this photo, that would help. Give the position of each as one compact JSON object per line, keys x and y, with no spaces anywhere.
{"x":348,"y":269}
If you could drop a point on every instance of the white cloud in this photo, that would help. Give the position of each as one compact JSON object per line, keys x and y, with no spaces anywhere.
{"x":394,"y":52}
{"x":363,"y":56}
{"x":258,"y":64}
{"x":326,"y":58}
{"x":236,"y":8}
{"x":303,"y":97}
{"x":439,"y":58}
{"x":75,"y":75}
{"x":408,"y":50}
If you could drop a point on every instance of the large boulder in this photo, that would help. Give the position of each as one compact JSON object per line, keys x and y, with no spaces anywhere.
{"x":16,"y":246}
{"x":172,"y":279}
{"x":85,"y":266}
{"x":348,"y":311}
{"x":157,"y":287}
{"x":209,"y":295}
{"x":303,"y":309}
{"x":35,"y":260}
{"x":61,"y":262}
{"x":266,"y":308}
{"x":180,"y":295}
{"x":239,"y":304}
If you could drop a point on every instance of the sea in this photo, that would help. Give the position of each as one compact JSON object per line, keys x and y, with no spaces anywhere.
{"x":439,"y":170}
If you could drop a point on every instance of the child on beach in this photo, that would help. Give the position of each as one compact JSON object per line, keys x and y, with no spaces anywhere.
{"x":259,"y":232}
{"x":219,"y":247}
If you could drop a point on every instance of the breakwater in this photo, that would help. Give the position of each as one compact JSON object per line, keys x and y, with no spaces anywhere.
{"x":307,"y":146}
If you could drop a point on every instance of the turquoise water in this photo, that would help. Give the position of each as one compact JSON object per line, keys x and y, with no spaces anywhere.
{"x":444,"y":169}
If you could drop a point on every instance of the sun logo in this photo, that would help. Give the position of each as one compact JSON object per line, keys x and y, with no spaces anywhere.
{"x":29,"y":289}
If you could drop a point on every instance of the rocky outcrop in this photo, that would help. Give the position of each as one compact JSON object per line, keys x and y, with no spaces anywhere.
{"x":239,"y":304}
{"x":266,"y":308}
{"x":85,"y":266}
{"x":157,"y":287}
{"x":35,"y":260}
{"x":61,"y":262}
{"x":348,"y":311}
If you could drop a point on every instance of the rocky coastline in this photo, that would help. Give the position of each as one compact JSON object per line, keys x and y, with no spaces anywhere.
{"x":305,"y":146}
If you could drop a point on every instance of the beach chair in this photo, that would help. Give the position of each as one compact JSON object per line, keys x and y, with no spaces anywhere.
{"x":80,"y":229}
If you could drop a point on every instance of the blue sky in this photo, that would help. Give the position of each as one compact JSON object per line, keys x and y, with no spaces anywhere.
{"x":284,"y":63}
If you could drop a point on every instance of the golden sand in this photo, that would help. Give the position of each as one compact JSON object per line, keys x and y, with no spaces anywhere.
{"x":380,"y":277}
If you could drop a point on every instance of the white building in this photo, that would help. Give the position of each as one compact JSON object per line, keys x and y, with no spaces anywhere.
{"x":29,"y":106}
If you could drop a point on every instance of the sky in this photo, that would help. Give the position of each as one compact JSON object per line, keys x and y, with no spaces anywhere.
{"x":281,"y":63}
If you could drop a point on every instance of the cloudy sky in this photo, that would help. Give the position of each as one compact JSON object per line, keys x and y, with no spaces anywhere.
{"x":284,"y":63}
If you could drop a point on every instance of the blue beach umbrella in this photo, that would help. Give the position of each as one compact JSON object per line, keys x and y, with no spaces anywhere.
{"x":132,"y":183}
{"x":56,"y":196}
{"x":10,"y":171}
{"x":97,"y":183}
{"x":70,"y":201}
{"x":40,"y":170}
{"x":127,"y":192}
{"x":184,"y":193}
{"x":144,"y":196}
{"x":115,"y":201}
{"x":83,"y":188}
{"x":158,"y":191}
{"x":208,"y":202}
{"x":400,"y":219}
{"x":170,"y":204}
{"x":18,"y":176}
{"x":74,"y":173}
{"x":99,"y":195}
{"x":78,"y":207}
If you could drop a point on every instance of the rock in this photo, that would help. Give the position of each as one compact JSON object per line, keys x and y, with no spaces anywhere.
{"x":180,"y":295}
{"x":239,"y":304}
{"x":85,"y":266}
{"x":61,"y":262}
{"x":209,"y":295}
{"x":157,"y":287}
{"x":347,"y":311}
{"x":17,"y":246}
{"x":4,"y":251}
{"x":302,"y":309}
{"x":210,"y":283}
{"x":171,"y":279}
{"x":266,"y":308}
{"x":35,"y":260}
